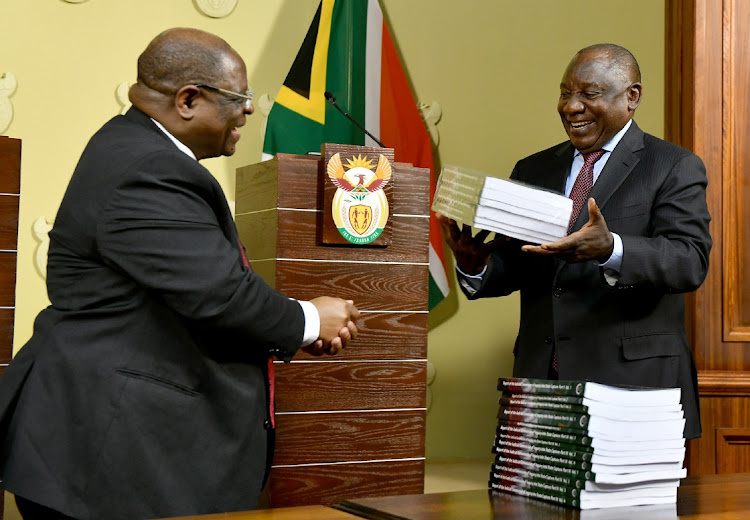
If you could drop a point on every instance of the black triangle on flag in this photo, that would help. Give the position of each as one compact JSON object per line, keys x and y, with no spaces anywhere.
{"x":298,"y":78}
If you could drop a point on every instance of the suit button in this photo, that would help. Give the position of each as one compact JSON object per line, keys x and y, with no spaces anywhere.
{"x":267,"y":424}
{"x":557,"y":292}
{"x":548,"y":340}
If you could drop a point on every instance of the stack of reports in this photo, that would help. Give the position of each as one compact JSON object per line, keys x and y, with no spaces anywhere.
{"x":588,"y":445}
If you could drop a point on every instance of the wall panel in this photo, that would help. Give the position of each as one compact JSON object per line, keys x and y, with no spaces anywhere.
{"x":708,"y":111}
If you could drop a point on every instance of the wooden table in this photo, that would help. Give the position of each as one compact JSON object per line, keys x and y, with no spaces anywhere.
{"x":281,"y":513}
{"x":710,"y":497}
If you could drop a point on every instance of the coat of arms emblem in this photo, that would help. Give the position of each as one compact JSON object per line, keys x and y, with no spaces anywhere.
{"x":359,"y":207}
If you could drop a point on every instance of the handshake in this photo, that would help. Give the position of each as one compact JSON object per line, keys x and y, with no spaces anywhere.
{"x":337,"y":327}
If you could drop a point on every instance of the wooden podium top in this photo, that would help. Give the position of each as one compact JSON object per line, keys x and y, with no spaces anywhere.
{"x":708,"y":497}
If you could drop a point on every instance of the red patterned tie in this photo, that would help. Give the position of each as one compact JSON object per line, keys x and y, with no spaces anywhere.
{"x":580,"y":194}
{"x":582,"y":185}
{"x":271,"y":375}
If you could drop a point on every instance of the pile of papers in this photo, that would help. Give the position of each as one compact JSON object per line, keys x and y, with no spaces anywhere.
{"x":588,"y":445}
{"x":507,"y":207}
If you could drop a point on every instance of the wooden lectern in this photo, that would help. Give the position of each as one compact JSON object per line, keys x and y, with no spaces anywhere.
{"x":352,"y":425}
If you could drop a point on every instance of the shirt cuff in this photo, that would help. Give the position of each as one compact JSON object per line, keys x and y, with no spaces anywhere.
{"x":614,"y":262}
{"x":477,"y":276}
{"x":470,"y":283}
{"x":312,"y":322}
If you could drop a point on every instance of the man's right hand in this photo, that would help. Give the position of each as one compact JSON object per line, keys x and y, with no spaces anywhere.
{"x":471,"y":252}
{"x":337,"y":325}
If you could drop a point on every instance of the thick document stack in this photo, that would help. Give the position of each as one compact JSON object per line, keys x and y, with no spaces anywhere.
{"x":507,"y":207}
{"x":588,"y":445}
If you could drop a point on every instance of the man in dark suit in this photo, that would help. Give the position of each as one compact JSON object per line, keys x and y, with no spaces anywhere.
{"x":143,"y":392}
{"x":606,"y":302}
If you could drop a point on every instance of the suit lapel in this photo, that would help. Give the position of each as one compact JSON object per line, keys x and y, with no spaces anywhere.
{"x":624,"y":158}
{"x":555,"y":178}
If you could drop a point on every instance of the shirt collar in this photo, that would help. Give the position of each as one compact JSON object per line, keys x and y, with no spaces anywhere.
{"x":610,"y":146}
{"x":177,"y":143}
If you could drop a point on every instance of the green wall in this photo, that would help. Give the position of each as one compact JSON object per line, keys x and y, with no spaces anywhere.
{"x":492,"y":65}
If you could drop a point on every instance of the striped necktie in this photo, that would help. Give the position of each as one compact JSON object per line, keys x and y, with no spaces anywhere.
{"x":583,"y":184}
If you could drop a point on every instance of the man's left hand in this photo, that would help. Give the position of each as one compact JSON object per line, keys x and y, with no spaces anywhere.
{"x":592,"y":242}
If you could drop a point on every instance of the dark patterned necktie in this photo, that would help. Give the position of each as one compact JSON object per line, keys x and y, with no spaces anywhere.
{"x":582,"y":185}
{"x":580,"y":194}
{"x":271,"y":374}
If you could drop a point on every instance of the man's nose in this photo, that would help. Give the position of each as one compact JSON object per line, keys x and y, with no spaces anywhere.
{"x":573,"y":105}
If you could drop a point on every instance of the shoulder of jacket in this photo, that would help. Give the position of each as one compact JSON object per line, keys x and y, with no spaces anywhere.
{"x":664,"y":147}
{"x":547,"y":155}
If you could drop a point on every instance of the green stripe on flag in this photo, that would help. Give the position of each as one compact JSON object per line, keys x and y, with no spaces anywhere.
{"x":346,"y":66}
{"x":435,"y":295}
{"x":291,"y":132}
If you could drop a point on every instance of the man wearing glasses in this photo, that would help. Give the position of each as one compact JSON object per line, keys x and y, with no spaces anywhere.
{"x":143,"y":392}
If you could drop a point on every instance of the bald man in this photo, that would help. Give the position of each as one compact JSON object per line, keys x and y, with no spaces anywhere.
{"x":606,"y":302}
{"x":143,"y":392}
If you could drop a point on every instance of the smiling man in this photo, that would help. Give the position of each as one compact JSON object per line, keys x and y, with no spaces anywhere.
{"x":605,"y":303}
{"x":144,"y":391}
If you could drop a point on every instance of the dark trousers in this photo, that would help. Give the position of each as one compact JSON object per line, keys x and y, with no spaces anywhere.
{"x":32,"y":511}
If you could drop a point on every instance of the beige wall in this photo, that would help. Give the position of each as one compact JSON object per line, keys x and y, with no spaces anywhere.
{"x":493,"y":66}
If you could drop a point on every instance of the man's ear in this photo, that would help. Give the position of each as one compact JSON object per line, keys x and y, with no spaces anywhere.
{"x":185,"y":101}
{"x":635,"y":91}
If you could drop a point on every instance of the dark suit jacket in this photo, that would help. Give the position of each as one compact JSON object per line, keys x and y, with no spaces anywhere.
{"x":653,"y":194}
{"x":142,"y":392}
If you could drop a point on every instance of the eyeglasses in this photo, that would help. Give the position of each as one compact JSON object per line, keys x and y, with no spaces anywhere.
{"x":246,"y":99}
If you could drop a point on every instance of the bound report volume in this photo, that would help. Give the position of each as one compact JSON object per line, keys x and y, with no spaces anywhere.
{"x":507,"y":207}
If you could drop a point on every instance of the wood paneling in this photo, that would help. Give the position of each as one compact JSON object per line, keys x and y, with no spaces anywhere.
{"x":8,"y":222}
{"x":732,"y":450}
{"x":375,"y":287}
{"x":405,"y":337}
{"x":736,"y":187}
{"x":708,"y":77}
{"x":10,"y":165}
{"x":398,"y":433}
{"x":717,"y":383}
{"x":412,"y":189}
{"x":7,"y":279}
{"x":286,"y":181}
{"x":717,"y":413}
{"x":291,"y":181}
{"x":6,"y":335}
{"x":352,"y":425}
{"x":355,"y":385}
{"x":328,"y":484}
{"x":261,"y":226}
{"x":296,"y":232}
